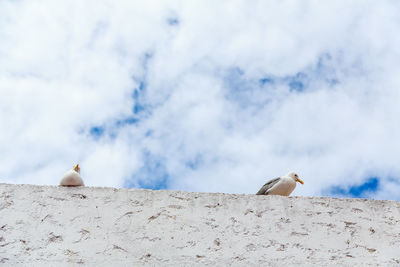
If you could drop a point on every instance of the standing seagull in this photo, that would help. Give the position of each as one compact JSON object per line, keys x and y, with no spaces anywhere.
{"x":72,"y":177}
{"x":281,"y":186}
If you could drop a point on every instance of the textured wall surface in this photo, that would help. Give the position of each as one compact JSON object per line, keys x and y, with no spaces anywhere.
{"x":54,"y":226}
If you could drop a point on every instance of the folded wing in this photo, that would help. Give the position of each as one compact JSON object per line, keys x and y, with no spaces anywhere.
{"x":268,"y":186}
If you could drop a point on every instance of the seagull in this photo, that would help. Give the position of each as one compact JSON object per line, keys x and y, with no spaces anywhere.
{"x":283,"y":185}
{"x":72,"y":177}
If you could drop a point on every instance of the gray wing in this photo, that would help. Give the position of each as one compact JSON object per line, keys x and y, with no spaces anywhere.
{"x":267,"y":186}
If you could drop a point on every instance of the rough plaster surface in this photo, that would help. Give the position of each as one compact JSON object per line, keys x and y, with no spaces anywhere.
{"x":56,"y":226}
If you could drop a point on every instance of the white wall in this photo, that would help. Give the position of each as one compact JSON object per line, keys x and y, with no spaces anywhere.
{"x":46,"y":225}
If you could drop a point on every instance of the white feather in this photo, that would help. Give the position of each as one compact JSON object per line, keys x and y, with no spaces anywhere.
{"x":71,"y":178}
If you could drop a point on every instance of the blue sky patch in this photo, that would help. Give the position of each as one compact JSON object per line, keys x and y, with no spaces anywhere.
{"x":152,"y":175}
{"x":195,"y":163}
{"x":326,"y":70}
{"x":126,"y":121}
{"x":173,"y":21}
{"x":111,"y":129}
{"x":139,"y":91}
{"x":369,"y":186}
{"x":96,"y":132}
{"x":297,"y":82}
{"x":154,"y":185}
{"x":264,"y":81}
{"x":137,"y":108}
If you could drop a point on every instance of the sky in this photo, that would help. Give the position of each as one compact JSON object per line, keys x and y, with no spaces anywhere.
{"x":203,"y":96}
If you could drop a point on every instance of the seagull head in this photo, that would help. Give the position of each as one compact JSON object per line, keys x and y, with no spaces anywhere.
{"x":295,"y":177}
{"x":76,"y":168}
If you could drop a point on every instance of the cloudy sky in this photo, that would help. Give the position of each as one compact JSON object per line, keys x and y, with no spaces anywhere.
{"x":209,"y":96}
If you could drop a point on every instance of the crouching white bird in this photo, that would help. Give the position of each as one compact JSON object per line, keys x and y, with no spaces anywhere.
{"x":72,"y":177}
{"x":283,"y":185}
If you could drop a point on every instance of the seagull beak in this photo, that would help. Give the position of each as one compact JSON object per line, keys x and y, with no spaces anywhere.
{"x":76,"y":168}
{"x":300,"y":181}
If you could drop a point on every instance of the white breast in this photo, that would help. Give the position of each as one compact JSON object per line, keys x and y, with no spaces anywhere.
{"x":284,"y":187}
{"x":71,"y":178}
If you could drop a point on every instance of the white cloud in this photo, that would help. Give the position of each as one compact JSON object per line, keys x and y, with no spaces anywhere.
{"x":327,"y":107}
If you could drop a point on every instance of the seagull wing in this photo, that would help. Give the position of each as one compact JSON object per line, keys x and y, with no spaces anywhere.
{"x":268,"y":186}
